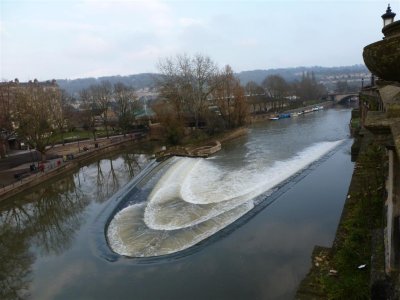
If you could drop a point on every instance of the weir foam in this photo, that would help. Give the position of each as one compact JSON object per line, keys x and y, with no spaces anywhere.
{"x":195,"y":198}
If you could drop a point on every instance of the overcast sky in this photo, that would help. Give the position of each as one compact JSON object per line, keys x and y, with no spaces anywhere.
{"x":60,"y":39}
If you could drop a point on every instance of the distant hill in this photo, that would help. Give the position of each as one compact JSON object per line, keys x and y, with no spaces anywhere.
{"x":137,"y":81}
{"x":148,"y":80}
{"x":291,"y":74}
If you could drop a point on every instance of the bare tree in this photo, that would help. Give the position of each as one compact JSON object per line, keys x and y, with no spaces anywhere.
{"x":171,"y":85}
{"x":102,"y":94}
{"x":60,"y":118}
{"x":256,"y":97}
{"x":252,"y":88}
{"x":308,"y":88}
{"x":276,"y":89}
{"x":275,"y":86}
{"x":223,"y":95}
{"x":89,"y":111}
{"x":6,"y":126}
{"x":229,"y":99}
{"x":173,"y":126}
{"x":241,"y":109}
{"x":72,"y":117}
{"x":126,"y":100}
{"x":203,"y":83}
{"x":187,"y":82}
{"x":36,"y":111}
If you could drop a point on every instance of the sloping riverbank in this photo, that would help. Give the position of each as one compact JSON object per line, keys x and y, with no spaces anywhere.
{"x":355,"y":263}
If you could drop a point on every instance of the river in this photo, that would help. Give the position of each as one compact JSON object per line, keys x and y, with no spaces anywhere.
{"x":239,"y":225}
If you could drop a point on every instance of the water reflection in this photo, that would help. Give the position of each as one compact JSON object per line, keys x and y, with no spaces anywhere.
{"x":105,"y":177}
{"x":56,"y":216}
{"x":45,"y":220}
{"x":132,"y":165}
{"x":15,"y":263}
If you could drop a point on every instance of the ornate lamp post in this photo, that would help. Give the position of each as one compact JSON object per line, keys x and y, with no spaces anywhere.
{"x":388,"y":17}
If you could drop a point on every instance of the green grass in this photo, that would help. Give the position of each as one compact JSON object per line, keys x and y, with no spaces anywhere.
{"x":80,"y":135}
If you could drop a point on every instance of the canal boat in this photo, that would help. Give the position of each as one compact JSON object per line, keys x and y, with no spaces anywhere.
{"x":316,"y":108}
{"x":284,"y":116}
{"x":307,"y":111}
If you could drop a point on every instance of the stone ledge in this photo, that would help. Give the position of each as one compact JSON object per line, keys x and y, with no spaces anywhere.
{"x":208,"y":149}
{"x":377,"y":122}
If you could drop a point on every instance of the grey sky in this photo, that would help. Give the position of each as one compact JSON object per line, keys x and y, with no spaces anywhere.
{"x":48,"y":39}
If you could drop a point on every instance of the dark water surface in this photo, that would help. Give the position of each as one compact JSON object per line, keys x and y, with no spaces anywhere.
{"x":46,"y":235}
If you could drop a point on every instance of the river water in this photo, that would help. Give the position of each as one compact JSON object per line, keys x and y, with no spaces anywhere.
{"x":239,"y":225}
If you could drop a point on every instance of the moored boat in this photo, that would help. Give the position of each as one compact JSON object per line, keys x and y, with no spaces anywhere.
{"x":284,"y":116}
{"x":316,"y":108}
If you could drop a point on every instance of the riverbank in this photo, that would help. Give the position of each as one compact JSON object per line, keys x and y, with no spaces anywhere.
{"x":203,"y":148}
{"x":66,"y":163}
{"x":266,"y":116}
{"x":354,"y":265}
{"x":94,"y":149}
{"x":74,"y":154}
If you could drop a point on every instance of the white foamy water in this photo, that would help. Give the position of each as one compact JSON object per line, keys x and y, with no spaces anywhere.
{"x":195,"y":199}
{"x":128,"y":234}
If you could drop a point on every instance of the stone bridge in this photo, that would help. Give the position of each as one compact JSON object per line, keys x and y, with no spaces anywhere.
{"x":340,"y":98}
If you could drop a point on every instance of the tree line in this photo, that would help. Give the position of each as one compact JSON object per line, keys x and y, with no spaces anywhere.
{"x":196,"y":99}
{"x":115,"y":105}
{"x":275,"y":93}
{"x":194,"y":93}
{"x":40,"y":113}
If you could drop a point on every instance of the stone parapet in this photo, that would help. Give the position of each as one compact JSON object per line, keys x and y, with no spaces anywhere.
{"x":383,"y":58}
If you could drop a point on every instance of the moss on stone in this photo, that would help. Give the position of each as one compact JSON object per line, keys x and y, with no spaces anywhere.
{"x":383,"y":58}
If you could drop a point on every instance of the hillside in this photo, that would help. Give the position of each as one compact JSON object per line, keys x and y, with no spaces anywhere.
{"x":137,"y":81}
{"x":291,"y":74}
{"x":326,"y":75}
